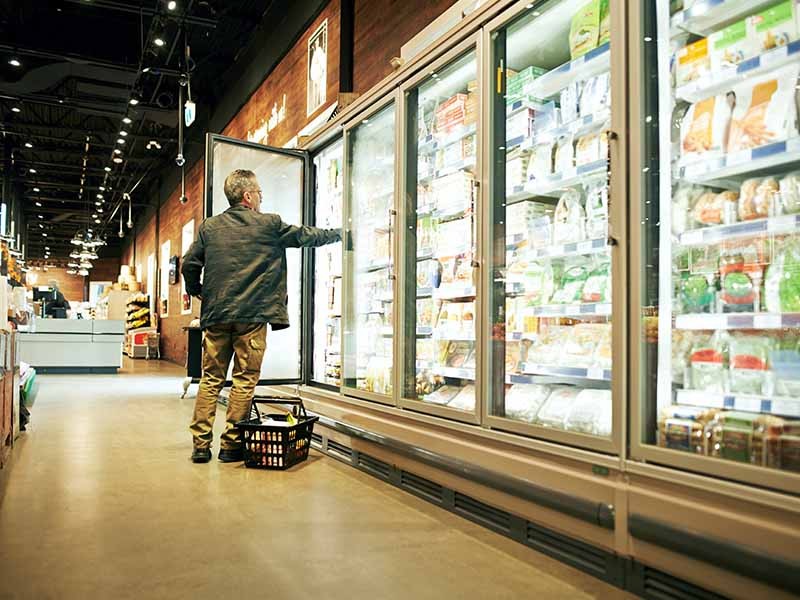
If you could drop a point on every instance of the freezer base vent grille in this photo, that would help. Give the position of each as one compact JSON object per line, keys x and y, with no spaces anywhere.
{"x":316,"y":440}
{"x":420,"y":486}
{"x":491,"y":517}
{"x":661,"y":586}
{"x":568,"y":550}
{"x":374,"y":466}
{"x":339,"y":450}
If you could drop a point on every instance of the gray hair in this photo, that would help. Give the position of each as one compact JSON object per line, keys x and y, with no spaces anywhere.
{"x":237,"y":183}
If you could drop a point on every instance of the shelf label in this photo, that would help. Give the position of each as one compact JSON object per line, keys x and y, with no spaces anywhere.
{"x":786,"y":407}
{"x":699,"y":398}
{"x":599,"y":374}
{"x":767,"y":321}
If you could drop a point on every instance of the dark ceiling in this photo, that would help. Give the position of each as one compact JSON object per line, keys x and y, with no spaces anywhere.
{"x":80,"y":62}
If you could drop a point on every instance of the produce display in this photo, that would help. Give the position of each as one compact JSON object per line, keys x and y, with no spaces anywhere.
{"x":368,"y":327}
{"x":731,"y":250}
{"x":445,"y":225}
{"x":138,"y":312}
{"x":328,"y":268}
{"x":556,"y":263}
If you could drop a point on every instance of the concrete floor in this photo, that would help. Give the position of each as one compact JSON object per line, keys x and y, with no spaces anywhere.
{"x":101,"y":501}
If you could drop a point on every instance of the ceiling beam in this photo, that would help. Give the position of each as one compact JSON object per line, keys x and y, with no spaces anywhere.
{"x":13,"y":128}
{"x":147,"y":12}
{"x":110,"y":107}
{"x":69,"y":57}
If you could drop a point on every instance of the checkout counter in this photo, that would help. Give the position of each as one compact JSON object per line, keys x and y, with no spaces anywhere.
{"x":73,"y":345}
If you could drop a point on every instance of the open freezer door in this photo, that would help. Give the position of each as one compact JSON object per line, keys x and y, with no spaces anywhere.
{"x":283,"y":177}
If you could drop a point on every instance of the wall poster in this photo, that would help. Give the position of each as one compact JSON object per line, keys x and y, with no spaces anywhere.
{"x":163,"y":288}
{"x":317,"y":62}
{"x":187,"y":238}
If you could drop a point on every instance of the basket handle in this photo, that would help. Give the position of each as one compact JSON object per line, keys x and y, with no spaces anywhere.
{"x":278,"y":400}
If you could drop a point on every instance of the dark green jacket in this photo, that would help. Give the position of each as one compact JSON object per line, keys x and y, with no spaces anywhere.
{"x":243,"y":254}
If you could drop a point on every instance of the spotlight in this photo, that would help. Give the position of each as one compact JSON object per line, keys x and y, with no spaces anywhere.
{"x":117,"y":160}
{"x":120,"y":140}
{"x":97,"y":221}
{"x":14,"y":61}
{"x":36,"y":189}
{"x":159,"y":42}
{"x":44,"y":235}
{"x":32,"y":171}
{"x":16,"y":109}
{"x":127,"y":120}
{"x":107,"y":169}
{"x":38,"y":204}
{"x":28,"y":145}
{"x":100,"y":210}
{"x":102,"y":188}
{"x":98,"y":203}
{"x":40,"y":216}
{"x":117,"y":151}
{"x":134,"y":101}
{"x":123,"y":133}
{"x":99,"y":196}
{"x":172,"y":5}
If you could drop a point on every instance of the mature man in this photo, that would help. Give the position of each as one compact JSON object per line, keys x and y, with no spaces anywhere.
{"x":58,"y":305}
{"x":243,"y":255}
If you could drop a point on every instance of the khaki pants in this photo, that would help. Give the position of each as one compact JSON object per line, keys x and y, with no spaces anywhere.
{"x":245,"y":342}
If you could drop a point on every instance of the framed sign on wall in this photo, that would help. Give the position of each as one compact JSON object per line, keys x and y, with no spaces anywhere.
{"x":187,"y":238}
{"x":317,"y":69}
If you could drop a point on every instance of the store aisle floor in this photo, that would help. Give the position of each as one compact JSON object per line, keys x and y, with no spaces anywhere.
{"x":102,"y":502}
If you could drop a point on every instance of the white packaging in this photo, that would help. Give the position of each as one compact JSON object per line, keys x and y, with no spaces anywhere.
{"x":597,"y":210}
{"x":693,"y":62}
{"x":774,"y":27}
{"x":732,"y":45}
{"x":565,"y":155}
{"x":570,"y":102}
{"x":569,"y":219}
{"x":766,"y":109}
{"x":587,"y":150}
{"x":596,"y":95}
{"x":704,"y":128}
{"x":540,"y":165}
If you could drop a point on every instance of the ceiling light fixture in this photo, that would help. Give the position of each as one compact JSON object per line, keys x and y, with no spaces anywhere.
{"x":172,"y":5}
{"x":32,"y":171}
{"x":14,"y":61}
{"x":117,"y":160}
{"x":107,"y":169}
{"x":44,"y":235}
{"x":117,"y":151}
{"x":16,"y":109}
{"x":40,"y":216}
{"x":28,"y":145}
{"x":98,"y":203}
{"x":120,"y":141}
{"x":123,"y":133}
{"x":159,"y":42}
{"x":38,"y":204}
{"x":133,"y":101}
{"x":97,"y":221}
{"x":127,"y":120}
{"x":36,"y":189}
{"x":102,"y":189}
{"x":99,"y":196}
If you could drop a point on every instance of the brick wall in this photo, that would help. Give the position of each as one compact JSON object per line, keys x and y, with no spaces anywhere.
{"x":105,"y":269}
{"x":381,"y":29}
{"x":72,"y":286}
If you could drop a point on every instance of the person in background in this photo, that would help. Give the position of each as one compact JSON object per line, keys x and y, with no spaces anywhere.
{"x":242,"y":256}
{"x":58,"y":302}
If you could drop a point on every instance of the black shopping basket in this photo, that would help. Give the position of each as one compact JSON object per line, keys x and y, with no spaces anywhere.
{"x":269,"y":442}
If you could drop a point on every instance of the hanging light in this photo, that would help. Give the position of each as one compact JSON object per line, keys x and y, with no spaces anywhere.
{"x":72,"y":272}
{"x":130,"y":212}
{"x":127,"y":120}
{"x":74,"y":254}
{"x":15,"y":62}
{"x":73,"y":265}
{"x":83,"y":272}
{"x":85,"y":264}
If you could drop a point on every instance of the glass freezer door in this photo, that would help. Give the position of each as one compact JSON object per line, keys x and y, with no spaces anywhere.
{"x":720,"y":239}
{"x":439,"y":277}
{"x":282,"y":177}
{"x":327,"y":267}
{"x":551,"y":283}
{"x":369,"y":263}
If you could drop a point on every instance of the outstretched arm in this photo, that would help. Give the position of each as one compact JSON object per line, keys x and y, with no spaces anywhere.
{"x":293,"y":236}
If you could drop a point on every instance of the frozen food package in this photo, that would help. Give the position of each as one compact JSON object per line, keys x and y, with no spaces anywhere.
{"x":744,"y":437}
{"x":513,"y":356}
{"x":443,"y":395}
{"x":587,"y":150}
{"x":523,"y":401}
{"x":569,"y":219}
{"x":580,"y":345}
{"x":683,"y":201}
{"x":597,"y":210}
{"x":539,"y":282}
{"x":716,"y":208}
{"x":520,"y":124}
{"x":766,"y":109}
{"x":555,"y":409}
{"x":749,"y":354}
{"x":584,"y":31}
{"x":782,"y":281}
{"x":465,"y":399}
{"x":698,"y":292}
{"x":457,"y":354}
{"x":756,"y":196}
{"x":774,"y":27}
{"x":708,"y":363}
{"x":788,"y":453}
{"x":571,"y":285}
{"x":598,"y":284}
{"x":704,"y":128}
{"x":685,"y":428}
{"x":548,"y":117}
{"x":602,"y":353}
{"x":569,"y":104}
{"x":741,"y":269}
{"x":788,"y":200}
{"x":731,"y":46}
{"x":784,"y":360}
{"x":595,"y":95}
{"x":516,"y":169}
{"x":425,"y":312}
{"x":541,"y":232}
{"x":548,"y":344}
{"x":428,"y":273}
{"x":604,"y":35}
{"x":540,"y":164}
{"x":591,"y":413}
{"x":565,"y":155}
{"x":693,"y":62}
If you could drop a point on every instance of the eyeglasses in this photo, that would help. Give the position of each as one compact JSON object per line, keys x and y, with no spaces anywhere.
{"x":259,"y":192}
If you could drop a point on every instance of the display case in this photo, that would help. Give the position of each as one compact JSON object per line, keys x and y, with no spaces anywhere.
{"x":439,"y":283}
{"x":369,"y":266}
{"x":552,"y":260}
{"x":326,"y":326}
{"x":717,"y":252}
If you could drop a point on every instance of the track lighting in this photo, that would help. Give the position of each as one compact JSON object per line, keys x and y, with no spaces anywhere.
{"x":16,"y":109}
{"x":107,"y":169}
{"x":133,"y":101}
{"x":14,"y":61}
{"x":127,"y":120}
{"x":159,"y":42}
{"x":172,"y":5}
{"x":36,"y":189}
{"x":28,"y":145}
{"x":32,"y":171}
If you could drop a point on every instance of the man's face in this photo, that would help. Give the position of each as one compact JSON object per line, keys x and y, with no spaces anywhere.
{"x":252,"y":197}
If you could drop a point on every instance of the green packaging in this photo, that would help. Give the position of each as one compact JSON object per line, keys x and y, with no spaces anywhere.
{"x":584,"y":32}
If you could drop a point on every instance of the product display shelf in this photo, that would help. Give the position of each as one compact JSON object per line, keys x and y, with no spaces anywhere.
{"x":593,"y":373}
{"x":453,"y":292}
{"x":584,"y":248}
{"x":707,"y":16}
{"x":454,"y":373}
{"x":556,"y":184}
{"x":431,"y":143}
{"x":723,"y":81}
{"x":785,"y":407}
{"x":460,"y":165}
{"x":454,"y":337}
{"x":592,"y":309}
{"x":735,"y":321}
{"x":376,"y":266}
{"x":516,"y":336}
{"x":582,"y":126}
{"x":729,"y":171}
{"x":424,"y":292}
{"x":594,"y":62}
{"x":782,"y":225}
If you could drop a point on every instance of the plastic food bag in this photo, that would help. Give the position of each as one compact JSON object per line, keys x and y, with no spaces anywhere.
{"x":539,"y":282}
{"x":756,"y":197}
{"x":591,"y":413}
{"x":774,"y":27}
{"x":572,"y":283}
{"x":584,"y":32}
{"x":683,"y":201}
{"x":569,"y":219}
{"x":595,"y":95}
{"x":554,"y":411}
{"x":782,"y":282}
{"x":693,"y":62}
{"x":788,"y":201}
{"x":685,"y":428}
{"x":565,"y":155}
{"x":698,"y":291}
{"x":748,"y":363}
{"x":597,"y":210}
{"x":741,"y":268}
{"x":707,"y":363}
{"x":716,"y":209}
{"x":587,"y":149}
{"x":605,"y":23}
{"x":540,"y":165}
{"x":704,"y":128}
{"x":730,"y":46}
{"x":766,"y":109}
{"x":524,"y":401}
{"x":580,"y":346}
{"x":570,"y":102}
{"x":598,"y":285}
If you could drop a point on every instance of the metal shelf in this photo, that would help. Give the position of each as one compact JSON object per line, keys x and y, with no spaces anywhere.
{"x":431,"y":143}
{"x":737,"y":321}
{"x":589,"y":373}
{"x":583,"y":126}
{"x":585,"y":247}
{"x":452,"y":292}
{"x":555,"y":185}
{"x":720,"y":233}
{"x":787,"y":407}
{"x":455,"y":373}
{"x":592,"y":63}
{"x":461,"y":165}
{"x":572,"y":310}
{"x":707,"y":16}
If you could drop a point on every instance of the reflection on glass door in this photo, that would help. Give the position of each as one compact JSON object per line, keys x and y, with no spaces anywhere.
{"x":329,"y":181}
{"x":551,"y":275}
{"x":440,"y":286}
{"x":721,"y":221}
{"x":369,"y":273}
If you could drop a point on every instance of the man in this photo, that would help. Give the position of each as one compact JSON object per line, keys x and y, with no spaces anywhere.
{"x":243,"y":255}
{"x":58,"y":306}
